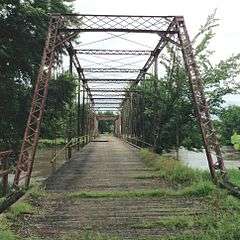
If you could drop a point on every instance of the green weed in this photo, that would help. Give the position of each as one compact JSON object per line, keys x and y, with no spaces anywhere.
{"x":234,"y":176}
{"x":89,"y":236}
{"x":51,"y":143}
{"x":8,"y":235}
{"x":36,"y":192}
{"x":200,"y":189}
{"x":20,"y":208}
{"x":174,"y":223}
{"x":119,"y":194}
{"x":168,"y":168}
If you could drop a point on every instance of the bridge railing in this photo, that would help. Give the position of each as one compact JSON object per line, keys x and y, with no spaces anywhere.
{"x":5,"y":169}
{"x":137,"y":142}
{"x":71,"y":146}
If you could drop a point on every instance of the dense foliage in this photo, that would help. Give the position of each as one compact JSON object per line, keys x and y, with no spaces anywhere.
{"x":229,"y":123}
{"x":23,"y":27}
{"x":106,"y":126}
{"x":235,"y":140}
{"x":169,"y":117}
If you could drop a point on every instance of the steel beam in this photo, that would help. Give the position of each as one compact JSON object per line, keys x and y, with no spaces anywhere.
{"x":108,"y":98}
{"x":79,"y":30}
{"x":110,"y":107}
{"x":110,"y":80}
{"x":112,"y":52}
{"x":157,"y":50}
{"x":112,"y":90}
{"x":106,"y":103}
{"x":110,"y":70}
{"x":120,"y":23}
{"x":77,"y":65}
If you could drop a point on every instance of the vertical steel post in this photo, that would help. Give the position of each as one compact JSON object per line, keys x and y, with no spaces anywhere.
{"x":156,"y":68}
{"x":78,"y":114}
{"x":83,"y":110}
{"x":87,"y":117}
{"x":131,"y":115}
{"x":69,"y":148}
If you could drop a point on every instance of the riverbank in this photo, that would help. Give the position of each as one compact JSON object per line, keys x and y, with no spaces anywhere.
{"x":198,"y":160}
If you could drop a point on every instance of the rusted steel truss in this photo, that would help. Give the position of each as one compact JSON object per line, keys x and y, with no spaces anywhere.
{"x":118,"y":23}
{"x":111,"y":70}
{"x":112,"y":52}
{"x":109,"y":80}
{"x":169,"y":29}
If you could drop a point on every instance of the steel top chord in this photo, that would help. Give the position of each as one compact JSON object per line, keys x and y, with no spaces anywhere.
{"x":117,"y":23}
{"x":108,"y":98}
{"x":112,"y":52}
{"x":111,"y":70}
{"x":109,"y":80}
{"x":106,"y":103}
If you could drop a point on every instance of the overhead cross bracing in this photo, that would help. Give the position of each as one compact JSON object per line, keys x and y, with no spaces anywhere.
{"x":115,"y":47}
{"x":112,"y":52}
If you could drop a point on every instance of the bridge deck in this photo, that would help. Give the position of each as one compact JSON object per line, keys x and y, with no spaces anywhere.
{"x":110,"y":165}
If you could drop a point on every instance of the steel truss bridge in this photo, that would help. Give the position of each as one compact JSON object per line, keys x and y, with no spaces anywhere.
{"x":110,"y":83}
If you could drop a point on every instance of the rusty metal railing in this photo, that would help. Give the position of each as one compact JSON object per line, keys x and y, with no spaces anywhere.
{"x":83,"y":140}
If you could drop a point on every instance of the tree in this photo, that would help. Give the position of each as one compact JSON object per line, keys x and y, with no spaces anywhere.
{"x":235,"y":140}
{"x":60,"y":96}
{"x":107,"y":125}
{"x":229,"y":123}
{"x":169,"y":113}
{"x":23,"y":26}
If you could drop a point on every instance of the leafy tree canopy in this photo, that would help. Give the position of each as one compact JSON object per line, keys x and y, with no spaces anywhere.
{"x":169,"y":113}
{"x":23,"y":25}
{"x":229,"y":123}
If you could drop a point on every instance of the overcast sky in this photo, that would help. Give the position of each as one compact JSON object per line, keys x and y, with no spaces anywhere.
{"x":227,"y":40}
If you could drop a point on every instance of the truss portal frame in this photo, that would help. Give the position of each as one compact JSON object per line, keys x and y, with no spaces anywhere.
{"x":118,"y":23}
{"x":63,"y":28}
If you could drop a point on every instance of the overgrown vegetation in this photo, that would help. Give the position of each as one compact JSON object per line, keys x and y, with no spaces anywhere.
{"x":223,"y":212}
{"x":13,"y":215}
{"x":229,"y":123}
{"x":19,"y":208}
{"x":51,"y":143}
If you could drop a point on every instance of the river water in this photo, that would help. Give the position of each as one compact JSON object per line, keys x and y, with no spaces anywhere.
{"x":198,"y":160}
{"x":194,"y":159}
